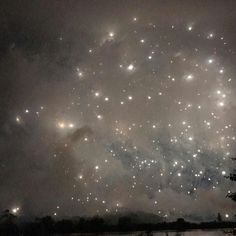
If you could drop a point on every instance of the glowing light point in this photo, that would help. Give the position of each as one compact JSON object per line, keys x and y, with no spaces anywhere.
{"x":71,"y":125}
{"x":190,"y":138}
{"x":221,"y":71}
{"x":226,"y":215}
{"x":189,"y":77}
{"x":223,"y":172}
{"x":15,"y":210}
{"x":97,"y":94}
{"x":111,"y":34}
{"x":211,"y":35}
{"x":18,"y":120}
{"x":210,"y":61}
{"x":130,"y":97}
{"x":130,"y":67}
{"x":190,"y":28}
{"x":221,"y":104}
{"x":96,"y":167}
{"x":106,"y":99}
{"x":61,"y":125}
{"x":99,"y":117}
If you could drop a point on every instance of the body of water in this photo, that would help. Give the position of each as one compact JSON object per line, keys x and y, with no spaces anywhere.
{"x":188,"y":233}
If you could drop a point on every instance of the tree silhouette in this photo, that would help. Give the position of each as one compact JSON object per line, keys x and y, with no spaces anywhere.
{"x":64,"y":226}
{"x":7,"y":217}
{"x":232,"y":177}
{"x":46,"y":224}
{"x":124,"y":221}
{"x":7,"y":222}
{"x":219,"y":218}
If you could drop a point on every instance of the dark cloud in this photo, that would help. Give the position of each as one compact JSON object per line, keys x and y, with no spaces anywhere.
{"x":80,"y":133}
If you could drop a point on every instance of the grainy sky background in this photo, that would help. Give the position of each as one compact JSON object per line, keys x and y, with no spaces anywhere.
{"x":113,"y":106}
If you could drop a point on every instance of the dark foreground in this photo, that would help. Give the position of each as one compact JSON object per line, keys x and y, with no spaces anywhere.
{"x":172,"y":233}
{"x":9,"y":225}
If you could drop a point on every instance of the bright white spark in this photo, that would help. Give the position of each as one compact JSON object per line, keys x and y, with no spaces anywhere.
{"x":190,"y":28}
{"x":18,"y":120}
{"x":15,"y":210}
{"x":189,"y":77}
{"x":221,"y":104}
{"x":221,"y":71}
{"x":61,"y":125}
{"x":211,"y":35}
{"x":111,"y":34}
{"x":71,"y":125}
{"x":130,"y":67}
{"x":210,"y":61}
{"x":223,"y":172}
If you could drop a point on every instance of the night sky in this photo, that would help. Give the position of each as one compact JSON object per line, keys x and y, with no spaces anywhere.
{"x":117,"y":106}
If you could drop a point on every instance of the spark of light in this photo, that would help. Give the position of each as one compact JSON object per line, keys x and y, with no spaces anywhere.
{"x":15,"y":210}
{"x":130,"y":67}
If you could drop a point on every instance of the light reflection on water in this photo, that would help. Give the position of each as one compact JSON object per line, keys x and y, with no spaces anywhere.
{"x":189,"y":233}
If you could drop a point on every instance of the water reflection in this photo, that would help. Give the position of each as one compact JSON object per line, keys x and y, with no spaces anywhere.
{"x":192,"y":233}
{"x":189,"y":233}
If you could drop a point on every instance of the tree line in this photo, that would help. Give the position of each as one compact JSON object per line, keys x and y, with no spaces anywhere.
{"x":10,"y":225}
